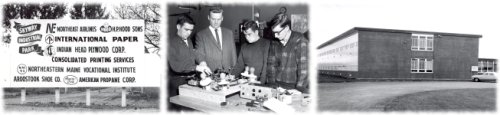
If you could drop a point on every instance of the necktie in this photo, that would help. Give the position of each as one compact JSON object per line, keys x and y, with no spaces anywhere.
{"x":217,"y":37}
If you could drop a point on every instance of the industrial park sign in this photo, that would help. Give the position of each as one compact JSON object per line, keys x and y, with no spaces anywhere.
{"x":79,"y":53}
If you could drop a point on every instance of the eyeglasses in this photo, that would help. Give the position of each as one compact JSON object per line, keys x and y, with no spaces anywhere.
{"x":278,"y":33}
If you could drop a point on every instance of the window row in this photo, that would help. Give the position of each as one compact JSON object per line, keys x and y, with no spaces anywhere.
{"x":339,"y":67}
{"x":339,"y":49}
{"x":421,"y":65}
{"x":422,"y":42}
{"x":487,"y":66}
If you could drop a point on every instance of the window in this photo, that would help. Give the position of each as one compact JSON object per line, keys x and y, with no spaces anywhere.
{"x":422,"y":42}
{"x":430,"y":41}
{"x":414,"y":65}
{"x":428,"y":65}
{"x":486,"y":66}
{"x":421,"y":65}
{"x":414,"y":42}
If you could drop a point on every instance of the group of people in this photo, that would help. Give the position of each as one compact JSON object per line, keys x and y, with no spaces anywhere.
{"x":278,"y":62}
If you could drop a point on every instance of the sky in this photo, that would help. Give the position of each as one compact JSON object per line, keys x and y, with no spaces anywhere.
{"x":329,"y":20}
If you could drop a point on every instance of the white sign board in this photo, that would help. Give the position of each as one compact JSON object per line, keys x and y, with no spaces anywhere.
{"x":474,"y":68}
{"x":79,"y":53}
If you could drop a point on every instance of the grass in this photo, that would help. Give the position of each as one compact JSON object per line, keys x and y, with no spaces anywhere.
{"x":444,"y":100}
{"x":102,"y":99}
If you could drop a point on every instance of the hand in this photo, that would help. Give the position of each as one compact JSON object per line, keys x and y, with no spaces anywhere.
{"x":203,"y":69}
{"x":203,"y":63}
{"x":303,"y":89}
{"x":294,"y":92}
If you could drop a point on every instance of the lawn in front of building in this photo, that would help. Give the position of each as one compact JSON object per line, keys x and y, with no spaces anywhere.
{"x":444,"y":100}
{"x":407,"y":96}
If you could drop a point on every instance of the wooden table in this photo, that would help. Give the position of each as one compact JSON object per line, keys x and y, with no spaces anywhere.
{"x":234,"y":104}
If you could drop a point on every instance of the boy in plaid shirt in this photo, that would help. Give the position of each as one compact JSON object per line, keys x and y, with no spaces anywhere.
{"x":287,"y":65}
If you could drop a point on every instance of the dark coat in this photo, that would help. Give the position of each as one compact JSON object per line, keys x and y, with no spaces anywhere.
{"x":181,"y":63}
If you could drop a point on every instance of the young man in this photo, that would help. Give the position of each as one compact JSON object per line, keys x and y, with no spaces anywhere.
{"x":254,"y":53}
{"x":215,"y":44}
{"x":181,"y":57}
{"x":288,"y":56}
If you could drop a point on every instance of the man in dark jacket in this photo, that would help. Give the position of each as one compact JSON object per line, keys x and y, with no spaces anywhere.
{"x":253,"y":53}
{"x":182,"y":57}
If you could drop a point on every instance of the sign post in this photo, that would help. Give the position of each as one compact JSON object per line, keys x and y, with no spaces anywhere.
{"x":124,"y":97}
{"x":87,"y":97}
{"x":23,"y":95}
{"x":57,"y":95}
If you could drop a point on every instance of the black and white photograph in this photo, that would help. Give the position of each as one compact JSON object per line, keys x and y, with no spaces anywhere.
{"x":80,"y":57}
{"x":417,"y":56}
{"x":238,"y":58}
{"x":191,"y":57}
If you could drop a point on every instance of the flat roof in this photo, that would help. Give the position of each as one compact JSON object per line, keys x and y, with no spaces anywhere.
{"x":355,"y":29}
{"x":487,"y":59}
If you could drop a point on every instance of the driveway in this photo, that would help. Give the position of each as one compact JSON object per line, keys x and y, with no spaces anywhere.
{"x":364,"y":96}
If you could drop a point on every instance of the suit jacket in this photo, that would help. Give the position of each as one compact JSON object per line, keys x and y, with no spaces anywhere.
{"x":208,"y":49}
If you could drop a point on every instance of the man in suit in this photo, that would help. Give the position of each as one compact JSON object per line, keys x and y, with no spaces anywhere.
{"x":215,"y":44}
{"x":181,"y":58}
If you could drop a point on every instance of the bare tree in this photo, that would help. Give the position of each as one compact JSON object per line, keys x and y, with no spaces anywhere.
{"x":151,"y":16}
{"x":30,"y":11}
{"x":88,"y":11}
